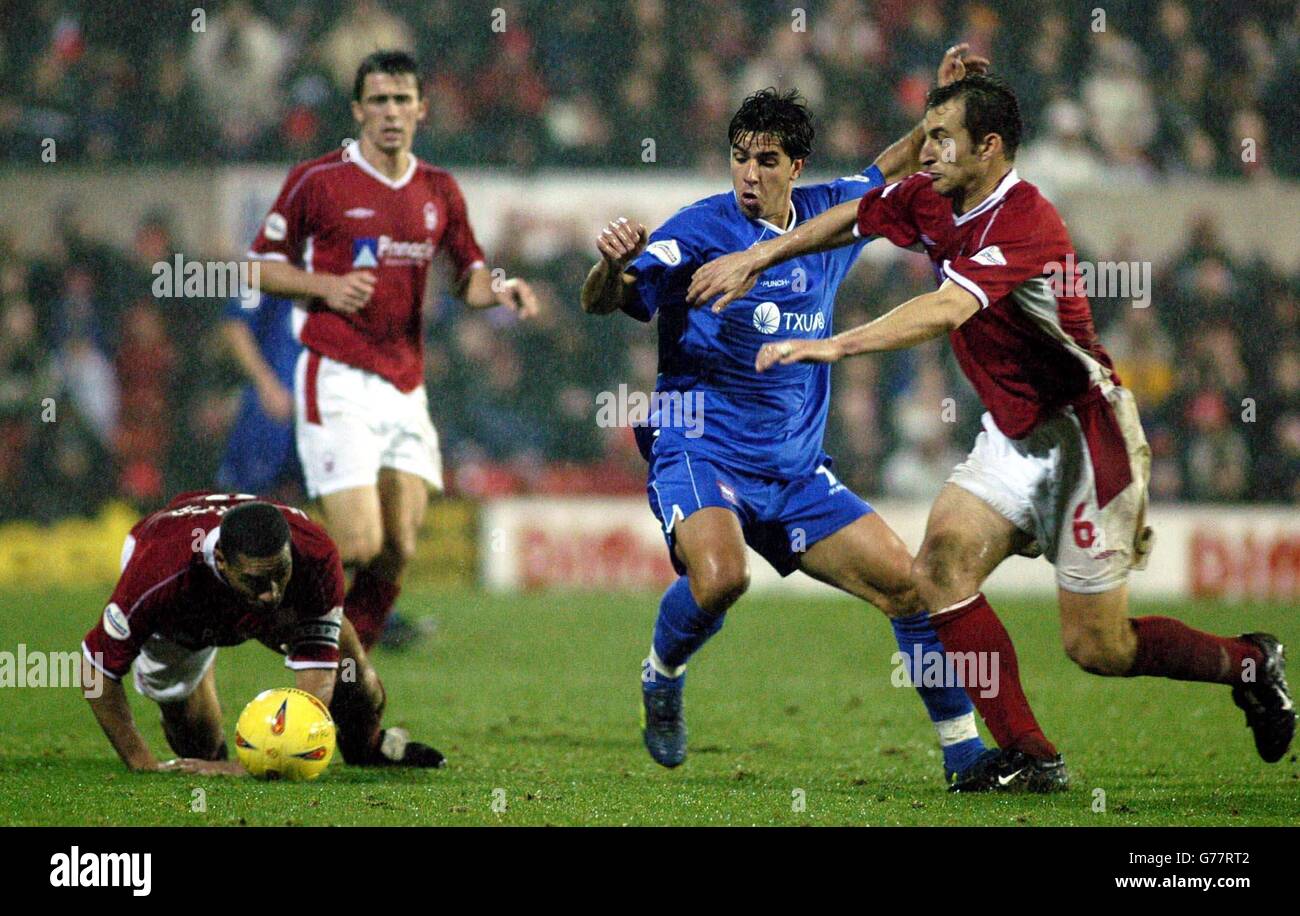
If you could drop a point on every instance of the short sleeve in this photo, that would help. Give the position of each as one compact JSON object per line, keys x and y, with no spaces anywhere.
{"x":459,"y":241}
{"x":663,"y":271}
{"x":883,"y":211}
{"x":852,"y":187}
{"x":285,"y":229}
{"x":1016,"y":247}
{"x":128,"y":620}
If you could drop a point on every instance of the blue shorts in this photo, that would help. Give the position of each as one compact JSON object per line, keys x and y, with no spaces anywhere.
{"x":261,"y":453}
{"x":779,"y":518}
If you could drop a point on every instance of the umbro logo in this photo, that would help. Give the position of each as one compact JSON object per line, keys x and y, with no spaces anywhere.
{"x":359,"y":213}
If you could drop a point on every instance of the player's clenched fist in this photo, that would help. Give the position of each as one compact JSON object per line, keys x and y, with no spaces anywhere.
{"x":621,"y":241}
{"x":349,"y":293}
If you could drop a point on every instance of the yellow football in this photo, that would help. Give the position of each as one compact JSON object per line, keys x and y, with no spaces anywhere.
{"x":285,"y":733}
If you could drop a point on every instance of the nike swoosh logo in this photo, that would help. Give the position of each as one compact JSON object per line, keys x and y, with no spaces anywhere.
{"x":1005,"y":780}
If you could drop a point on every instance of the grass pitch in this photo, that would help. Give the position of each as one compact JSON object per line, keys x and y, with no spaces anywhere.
{"x":535,"y":701}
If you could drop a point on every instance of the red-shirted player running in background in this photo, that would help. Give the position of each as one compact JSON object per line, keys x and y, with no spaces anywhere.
{"x":1062,"y":464}
{"x":352,"y":236}
{"x":219,"y":569}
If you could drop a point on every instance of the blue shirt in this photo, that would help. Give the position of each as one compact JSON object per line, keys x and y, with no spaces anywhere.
{"x":261,"y":451}
{"x":770,"y":424}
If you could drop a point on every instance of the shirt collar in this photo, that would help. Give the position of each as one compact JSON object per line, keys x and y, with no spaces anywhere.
{"x":1008,"y":181}
{"x":352,"y":153}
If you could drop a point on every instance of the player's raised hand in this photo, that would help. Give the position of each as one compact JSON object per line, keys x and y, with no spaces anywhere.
{"x":956,"y":64}
{"x":621,"y":241}
{"x":518,"y":295}
{"x":727,"y":278}
{"x":196,"y":767}
{"x":785,"y":352}
{"x":349,"y":293}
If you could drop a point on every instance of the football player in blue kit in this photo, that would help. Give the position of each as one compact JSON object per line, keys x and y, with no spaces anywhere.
{"x":750,"y":467}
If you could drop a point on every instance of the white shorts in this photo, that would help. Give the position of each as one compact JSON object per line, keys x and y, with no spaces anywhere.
{"x":167,"y":672}
{"x":1046,"y":484}
{"x":350,"y":423}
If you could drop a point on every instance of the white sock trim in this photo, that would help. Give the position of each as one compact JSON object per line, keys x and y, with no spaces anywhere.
{"x":658,"y":664}
{"x":956,"y":607}
{"x":954,"y":731}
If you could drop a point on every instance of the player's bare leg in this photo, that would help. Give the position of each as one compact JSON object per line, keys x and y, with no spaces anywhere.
{"x":193,"y":725}
{"x":867,"y":559}
{"x":1101,"y":638}
{"x":358,"y":709}
{"x":965,"y":540}
{"x":710,"y":544}
{"x":375,"y":529}
{"x":355,"y":523}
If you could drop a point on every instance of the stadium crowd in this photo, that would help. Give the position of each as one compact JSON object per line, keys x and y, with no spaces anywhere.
{"x":141,"y":395}
{"x":1143,"y":86}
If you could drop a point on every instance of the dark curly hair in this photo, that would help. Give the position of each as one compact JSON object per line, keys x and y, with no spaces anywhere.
{"x":394,"y":63}
{"x":991,"y":108}
{"x":784,"y":116}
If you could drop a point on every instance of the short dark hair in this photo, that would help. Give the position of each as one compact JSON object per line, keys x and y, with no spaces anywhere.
{"x":394,"y":63}
{"x":991,"y":108}
{"x":254,"y":529}
{"x":785,"y":116}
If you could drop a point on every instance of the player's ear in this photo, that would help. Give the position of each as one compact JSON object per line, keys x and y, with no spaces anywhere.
{"x":796,"y":168}
{"x":358,"y":113}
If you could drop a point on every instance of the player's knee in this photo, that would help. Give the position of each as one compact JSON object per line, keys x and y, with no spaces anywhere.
{"x":719,"y":583}
{"x":401,"y":547}
{"x":359,"y":548}
{"x":902,"y":602}
{"x":1099,"y":652}
{"x":940,"y":566}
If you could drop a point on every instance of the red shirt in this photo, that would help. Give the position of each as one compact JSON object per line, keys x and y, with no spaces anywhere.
{"x":1030,"y":350}
{"x":336,"y":214}
{"x":170,"y":586}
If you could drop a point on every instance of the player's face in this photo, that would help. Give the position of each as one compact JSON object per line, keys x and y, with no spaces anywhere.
{"x":762,"y":174}
{"x":948,"y":153}
{"x":389,"y":110}
{"x":260,"y":581}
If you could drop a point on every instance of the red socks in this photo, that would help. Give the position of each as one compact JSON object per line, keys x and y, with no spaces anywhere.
{"x":1170,"y":648}
{"x":368,"y":604}
{"x":974,"y":627}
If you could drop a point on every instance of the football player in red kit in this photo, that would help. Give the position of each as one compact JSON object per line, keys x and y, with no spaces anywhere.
{"x":351,"y":237}
{"x":1062,"y":464}
{"x":215,"y":570}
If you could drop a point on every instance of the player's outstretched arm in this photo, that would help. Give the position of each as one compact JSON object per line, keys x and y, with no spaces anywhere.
{"x":731,"y":276}
{"x":480,"y":290}
{"x":319,"y":682}
{"x":113,"y":713}
{"x":915,"y":321}
{"x":607,"y":288}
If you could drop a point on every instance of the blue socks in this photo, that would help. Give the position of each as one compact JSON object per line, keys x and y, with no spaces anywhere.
{"x":949,"y":707}
{"x":681,"y":628}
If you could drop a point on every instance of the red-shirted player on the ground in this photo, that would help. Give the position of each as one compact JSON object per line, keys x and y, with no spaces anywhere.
{"x":351,"y":236}
{"x":1062,"y":465}
{"x":220,"y":569}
